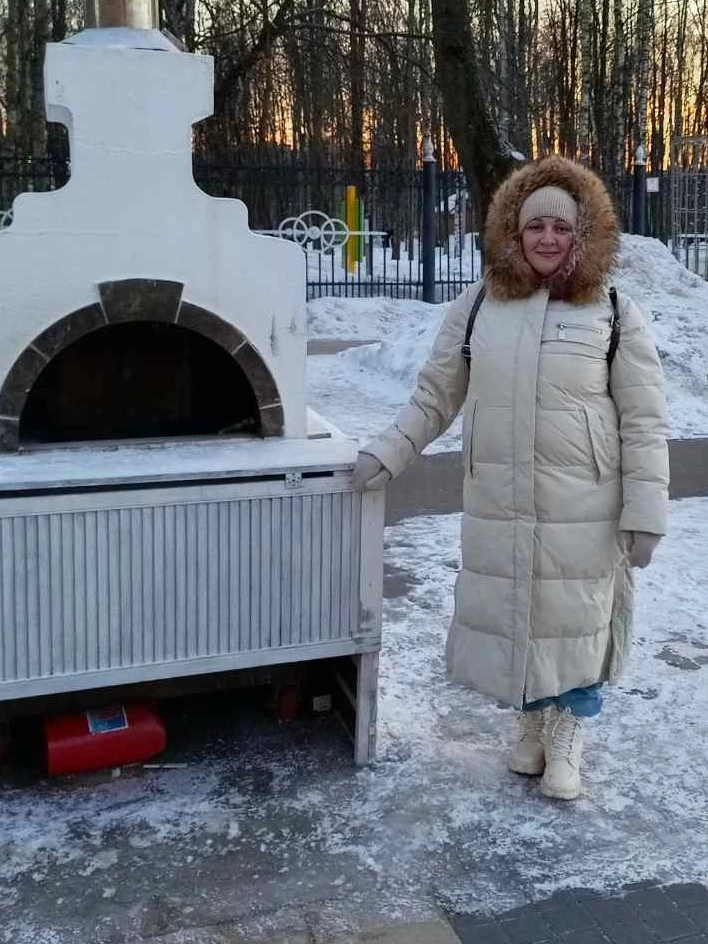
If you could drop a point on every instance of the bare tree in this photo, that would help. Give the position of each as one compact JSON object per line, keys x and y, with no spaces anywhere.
{"x":644,"y":34}
{"x":586,"y":126}
{"x":351,"y":82}
{"x":472,"y":127}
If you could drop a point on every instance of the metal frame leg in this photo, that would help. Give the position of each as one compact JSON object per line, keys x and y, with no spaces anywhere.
{"x":366,"y":705}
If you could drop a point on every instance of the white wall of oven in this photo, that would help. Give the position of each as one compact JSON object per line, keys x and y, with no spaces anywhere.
{"x":131,"y":210}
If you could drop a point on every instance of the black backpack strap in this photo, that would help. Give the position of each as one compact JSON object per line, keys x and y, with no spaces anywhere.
{"x":614,"y":327}
{"x":479,"y":298}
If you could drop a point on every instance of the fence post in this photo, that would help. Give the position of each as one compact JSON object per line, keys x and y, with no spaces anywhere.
{"x":639,"y":194}
{"x":429,"y":198}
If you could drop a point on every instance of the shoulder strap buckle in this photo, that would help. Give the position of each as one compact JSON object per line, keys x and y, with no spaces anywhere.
{"x":614,"y":327}
{"x":466,"y":347}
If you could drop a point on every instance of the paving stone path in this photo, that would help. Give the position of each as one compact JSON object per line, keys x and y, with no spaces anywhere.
{"x":646,"y":914}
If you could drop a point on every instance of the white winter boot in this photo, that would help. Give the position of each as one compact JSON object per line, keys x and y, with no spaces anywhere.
{"x":528,"y":754}
{"x":564,"y":750}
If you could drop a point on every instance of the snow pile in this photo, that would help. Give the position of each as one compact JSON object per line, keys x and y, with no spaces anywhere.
{"x":373,"y":381}
{"x":362,"y":389}
{"x":369,"y":319}
{"x":675,"y":302}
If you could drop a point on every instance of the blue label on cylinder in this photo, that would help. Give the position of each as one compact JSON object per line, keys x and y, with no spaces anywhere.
{"x":105,"y":720}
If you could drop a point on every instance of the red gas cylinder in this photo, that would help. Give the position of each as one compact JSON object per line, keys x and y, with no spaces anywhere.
{"x":104,"y":737}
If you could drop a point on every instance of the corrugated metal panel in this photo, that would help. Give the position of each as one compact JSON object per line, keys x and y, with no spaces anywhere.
{"x":109,"y":588}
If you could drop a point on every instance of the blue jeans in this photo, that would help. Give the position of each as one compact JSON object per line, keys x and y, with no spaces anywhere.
{"x":583,"y":702}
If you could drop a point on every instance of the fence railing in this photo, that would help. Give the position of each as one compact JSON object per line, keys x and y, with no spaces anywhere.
{"x":391,"y":200}
{"x":689,"y":203}
{"x":389,"y":261}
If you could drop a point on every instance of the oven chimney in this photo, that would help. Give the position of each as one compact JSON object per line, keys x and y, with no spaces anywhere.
{"x":136,"y":14}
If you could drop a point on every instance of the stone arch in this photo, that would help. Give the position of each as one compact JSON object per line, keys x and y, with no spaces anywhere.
{"x":135,"y":300}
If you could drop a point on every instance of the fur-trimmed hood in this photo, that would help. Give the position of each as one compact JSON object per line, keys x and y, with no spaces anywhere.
{"x":582,"y":280}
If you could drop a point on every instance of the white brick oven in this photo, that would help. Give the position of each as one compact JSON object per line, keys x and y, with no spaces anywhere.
{"x":168,"y":504}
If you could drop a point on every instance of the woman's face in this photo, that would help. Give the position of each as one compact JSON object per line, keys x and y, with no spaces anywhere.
{"x":546,"y":243}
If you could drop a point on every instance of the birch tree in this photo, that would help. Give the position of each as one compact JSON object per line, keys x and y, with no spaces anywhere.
{"x":644,"y":31}
{"x":585,"y":19}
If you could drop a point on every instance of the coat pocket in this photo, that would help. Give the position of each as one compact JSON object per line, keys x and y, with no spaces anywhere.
{"x":468,"y":438}
{"x":588,"y":335}
{"x":606,"y":462}
{"x":567,"y":337}
{"x":621,"y":622}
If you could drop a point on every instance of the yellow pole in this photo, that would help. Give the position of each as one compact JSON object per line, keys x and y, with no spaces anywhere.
{"x":352,"y":221}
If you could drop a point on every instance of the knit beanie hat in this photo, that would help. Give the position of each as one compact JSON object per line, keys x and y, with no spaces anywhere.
{"x":549,"y":201}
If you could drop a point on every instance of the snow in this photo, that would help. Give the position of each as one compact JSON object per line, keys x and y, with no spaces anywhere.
{"x":438,"y":815}
{"x":164,"y":461}
{"x":362,"y":388}
{"x":459,"y":262}
{"x":675,"y":302}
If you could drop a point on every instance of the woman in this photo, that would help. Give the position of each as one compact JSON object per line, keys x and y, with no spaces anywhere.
{"x":565,"y":462}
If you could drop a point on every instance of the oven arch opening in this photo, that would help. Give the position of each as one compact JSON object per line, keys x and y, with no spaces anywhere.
{"x":142,"y":364}
{"x":139,"y":380}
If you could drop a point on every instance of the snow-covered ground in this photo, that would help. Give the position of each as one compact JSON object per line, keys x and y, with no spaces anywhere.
{"x":362,"y":388}
{"x":452,"y":260}
{"x":437,"y":819}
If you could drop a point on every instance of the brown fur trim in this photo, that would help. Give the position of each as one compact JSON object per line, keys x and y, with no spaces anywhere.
{"x":509,"y":276}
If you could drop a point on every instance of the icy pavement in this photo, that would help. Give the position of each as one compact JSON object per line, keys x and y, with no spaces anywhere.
{"x":267,"y":826}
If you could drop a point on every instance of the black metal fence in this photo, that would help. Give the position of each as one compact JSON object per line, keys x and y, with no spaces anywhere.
{"x":689,"y":203}
{"x":388,"y":258}
{"x":657,"y":202}
{"x":26,"y":174}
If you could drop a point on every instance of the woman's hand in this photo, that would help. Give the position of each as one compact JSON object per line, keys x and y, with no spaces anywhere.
{"x":369,"y":473}
{"x":640,"y":547}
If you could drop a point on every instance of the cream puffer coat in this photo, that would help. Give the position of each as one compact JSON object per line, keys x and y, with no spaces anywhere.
{"x":559,"y":455}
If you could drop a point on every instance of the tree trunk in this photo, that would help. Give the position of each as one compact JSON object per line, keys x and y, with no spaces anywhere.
{"x":427,"y":104}
{"x":682,"y":17}
{"x":645,"y":17}
{"x":702,"y":82}
{"x":357,"y":27}
{"x":16,"y":54}
{"x":600,"y":90}
{"x":467,"y":112}
{"x":619,"y":89}
{"x":585,"y":132}
{"x":178,"y":16}
{"x":41,"y":34}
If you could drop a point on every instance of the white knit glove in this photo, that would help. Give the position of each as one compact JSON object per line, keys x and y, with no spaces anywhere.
{"x":369,"y":473}
{"x":640,"y":547}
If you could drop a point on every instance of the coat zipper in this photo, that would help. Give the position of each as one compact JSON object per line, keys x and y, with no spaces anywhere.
{"x":563,"y":325}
